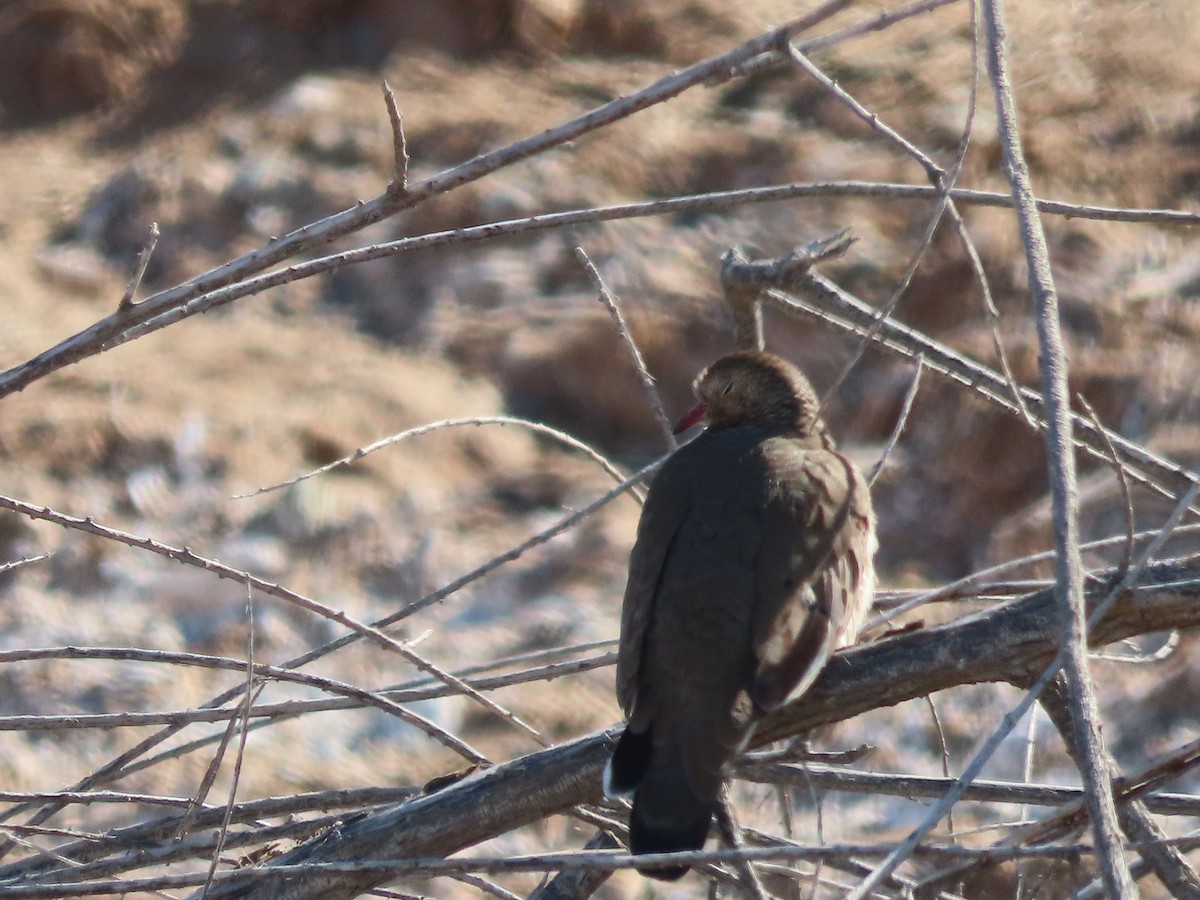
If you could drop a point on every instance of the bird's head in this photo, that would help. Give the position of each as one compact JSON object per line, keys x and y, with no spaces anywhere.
{"x":754,"y":388}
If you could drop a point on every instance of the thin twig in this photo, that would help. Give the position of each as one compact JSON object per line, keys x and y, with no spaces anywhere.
{"x":1164,"y":652}
{"x":905,"y":408}
{"x":490,"y":888}
{"x":243,"y":734}
{"x":97,"y":339}
{"x":980,"y":582}
{"x":891,"y":784}
{"x":964,"y":236}
{"x":276,"y":712}
{"x":885,"y":19}
{"x":399,"y":184}
{"x":158,"y":832}
{"x":1031,"y":729}
{"x":476,"y":421}
{"x":1144,"y":466}
{"x":139,"y":270}
{"x":945,"y":755}
{"x":17,"y":563}
{"x":1085,"y":710}
{"x":578,"y":884}
{"x":263,"y":670}
{"x":1123,"y":480}
{"x":639,"y":364}
{"x":302,"y":876}
{"x":200,"y":798}
{"x":727,"y":825}
{"x":186,"y":556}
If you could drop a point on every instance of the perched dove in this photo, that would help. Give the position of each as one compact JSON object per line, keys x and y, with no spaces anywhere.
{"x":753,"y":563}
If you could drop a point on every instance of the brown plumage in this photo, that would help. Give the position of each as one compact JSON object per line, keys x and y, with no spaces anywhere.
{"x":753,"y":562}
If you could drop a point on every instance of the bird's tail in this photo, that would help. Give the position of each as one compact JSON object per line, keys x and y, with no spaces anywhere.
{"x":628,"y":764}
{"x":668,"y":816}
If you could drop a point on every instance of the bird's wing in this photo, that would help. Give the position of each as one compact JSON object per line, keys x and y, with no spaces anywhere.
{"x":813,"y":568}
{"x":665,"y":510}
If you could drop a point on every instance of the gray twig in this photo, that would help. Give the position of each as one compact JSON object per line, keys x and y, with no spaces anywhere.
{"x":430,"y":427}
{"x":856,"y":316}
{"x":1085,"y":711}
{"x":727,"y":824}
{"x":1167,"y":862}
{"x":905,"y":409}
{"x":639,"y":364}
{"x":578,"y":884}
{"x":1123,"y":480}
{"x":139,"y":269}
{"x":243,"y":722}
{"x":399,"y":185}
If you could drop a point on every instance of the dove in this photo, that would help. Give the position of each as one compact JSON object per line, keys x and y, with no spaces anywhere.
{"x":753,"y":562}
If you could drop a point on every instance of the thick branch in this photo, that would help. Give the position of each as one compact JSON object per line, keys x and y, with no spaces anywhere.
{"x":1019,"y":636}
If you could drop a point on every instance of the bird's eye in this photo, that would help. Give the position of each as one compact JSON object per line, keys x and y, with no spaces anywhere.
{"x":728,"y":386}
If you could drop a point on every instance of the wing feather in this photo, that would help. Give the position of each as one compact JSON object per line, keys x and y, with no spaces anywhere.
{"x":811,"y":589}
{"x":663,"y":515}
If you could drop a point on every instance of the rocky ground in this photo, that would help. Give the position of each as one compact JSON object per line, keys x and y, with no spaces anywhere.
{"x":230,"y":121}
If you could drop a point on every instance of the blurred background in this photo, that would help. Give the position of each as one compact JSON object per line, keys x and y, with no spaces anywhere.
{"x":228,"y":122}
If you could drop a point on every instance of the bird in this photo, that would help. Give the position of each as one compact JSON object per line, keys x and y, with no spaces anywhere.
{"x":753,"y":562}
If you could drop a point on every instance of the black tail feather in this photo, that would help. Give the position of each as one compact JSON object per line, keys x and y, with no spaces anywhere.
{"x":666,"y":819}
{"x":628,"y":765}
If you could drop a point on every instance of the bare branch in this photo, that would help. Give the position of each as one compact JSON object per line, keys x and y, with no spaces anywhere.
{"x":856,"y":781}
{"x":1085,"y":710}
{"x":105,"y":333}
{"x":139,"y":269}
{"x":1017,"y":636}
{"x":399,"y":184}
{"x":579,"y":884}
{"x":731,"y":835}
{"x":186,"y":556}
{"x":1160,"y":475}
{"x":901,"y":420}
{"x":1123,"y":480}
{"x":476,"y":421}
{"x":639,"y":364}
{"x":24,"y":561}
{"x":243,"y":722}
{"x":275,"y":712}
